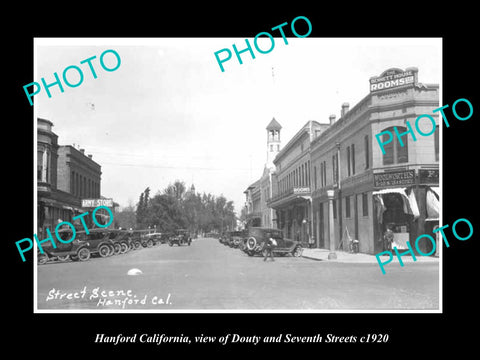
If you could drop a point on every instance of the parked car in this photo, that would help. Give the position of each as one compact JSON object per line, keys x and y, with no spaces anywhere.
{"x":136,"y":239}
{"x":223,"y":238}
{"x":74,"y":250}
{"x":99,"y":241}
{"x":152,"y":239}
{"x":234,"y":238}
{"x":180,"y":237}
{"x":164,"y":237}
{"x":120,"y":240}
{"x":256,"y":237}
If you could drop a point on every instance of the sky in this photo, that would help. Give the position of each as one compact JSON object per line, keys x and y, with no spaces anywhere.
{"x":168,"y":112}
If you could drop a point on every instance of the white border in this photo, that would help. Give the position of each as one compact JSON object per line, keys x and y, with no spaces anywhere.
{"x":150,"y":42}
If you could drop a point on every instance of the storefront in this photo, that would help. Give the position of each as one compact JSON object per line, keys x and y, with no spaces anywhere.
{"x":403,"y":203}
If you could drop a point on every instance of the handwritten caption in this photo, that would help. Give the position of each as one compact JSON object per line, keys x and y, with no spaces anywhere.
{"x":108,"y":298}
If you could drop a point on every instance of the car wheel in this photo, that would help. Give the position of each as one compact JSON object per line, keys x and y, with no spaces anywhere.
{"x":149,"y":243}
{"x":63,"y":257}
{"x":83,"y":254}
{"x":250,"y":252}
{"x":251,"y":243}
{"x":297,"y":252}
{"x":104,"y":250}
{"x":117,"y":248}
{"x":42,"y":259}
{"x":137,"y":245}
{"x":170,"y":244}
{"x":124,"y":248}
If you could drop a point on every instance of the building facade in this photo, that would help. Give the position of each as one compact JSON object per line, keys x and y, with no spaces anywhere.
{"x":258,"y":194}
{"x":376,"y":190}
{"x":53,"y":204}
{"x":67,"y":181}
{"x":292,"y":198}
{"x":78,"y":174}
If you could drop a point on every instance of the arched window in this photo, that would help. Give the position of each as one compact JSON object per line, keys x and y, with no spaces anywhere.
{"x":394,"y":152}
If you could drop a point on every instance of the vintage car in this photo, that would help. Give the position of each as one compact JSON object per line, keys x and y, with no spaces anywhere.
{"x":180,"y":237}
{"x":120,"y":240}
{"x":151,"y":239}
{"x":136,"y":239}
{"x":99,"y":241}
{"x":74,"y":250}
{"x":256,"y":237}
{"x":235,"y":238}
{"x":223,"y":238}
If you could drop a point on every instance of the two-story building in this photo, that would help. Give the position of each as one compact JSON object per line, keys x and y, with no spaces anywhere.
{"x":375,"y":190}
{"x":68,"y":182}
{"x":292,"y":197}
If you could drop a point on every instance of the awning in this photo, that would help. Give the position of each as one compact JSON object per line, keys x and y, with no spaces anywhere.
{"x":433,"y":203}
{"x":436,"y":190}
{"x":409,"y":202}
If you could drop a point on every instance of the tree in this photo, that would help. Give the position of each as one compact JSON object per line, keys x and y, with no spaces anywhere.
{"x":174,"y":207}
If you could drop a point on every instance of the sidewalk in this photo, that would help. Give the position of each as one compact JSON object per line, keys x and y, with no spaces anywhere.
{"x":342,"y":256}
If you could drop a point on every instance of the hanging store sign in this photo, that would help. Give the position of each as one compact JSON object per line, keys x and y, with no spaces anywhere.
{"x":87,"y":203}
{"x":394,"y":178}
{"x":301,"y":190}
{"x":392,"y":78}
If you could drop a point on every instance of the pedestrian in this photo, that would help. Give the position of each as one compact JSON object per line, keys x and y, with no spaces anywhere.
{"x":269,"y":244}
{"x":388,"y":238}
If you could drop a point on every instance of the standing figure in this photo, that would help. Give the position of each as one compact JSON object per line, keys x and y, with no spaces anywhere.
{"x":268,"y":248}
{"x":388,"y":238}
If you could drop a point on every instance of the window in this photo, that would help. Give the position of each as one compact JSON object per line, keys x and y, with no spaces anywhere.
{"x":348,"y":160}
{"x":72,"y":182}
{"x":39,"y":165}
{"x":302,"y":175}
{"x":437,"y":142}
{"x":367,"y":155}
{"x":315,"y":177}
{"x":334,"y":209}
{"x":365,"y":204}
{"x":308,"y":173}
{"x":335,"y":168}
{"x":347,"y":206}
{"x":394,"y":152}
{"x":352,"y":153}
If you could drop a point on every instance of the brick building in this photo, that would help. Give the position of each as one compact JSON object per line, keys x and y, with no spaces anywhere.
{"x":375,"y":190}
{"x":65,"y":177}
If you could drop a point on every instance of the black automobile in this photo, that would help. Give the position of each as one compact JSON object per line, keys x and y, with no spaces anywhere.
{"x":120,"y":240}
{"x":74,"y":250}
{"x":99,"y":241}
{"x":257,"y":236}
{"x":180,"y":237}
{"x":235,"y":238}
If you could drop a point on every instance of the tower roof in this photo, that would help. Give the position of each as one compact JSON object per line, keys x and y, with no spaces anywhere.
{"x":274,"y":125}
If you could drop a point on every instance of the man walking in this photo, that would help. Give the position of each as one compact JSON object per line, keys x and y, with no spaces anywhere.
{"x":269,"y":244}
